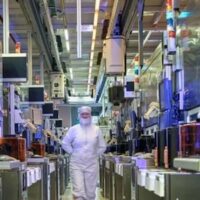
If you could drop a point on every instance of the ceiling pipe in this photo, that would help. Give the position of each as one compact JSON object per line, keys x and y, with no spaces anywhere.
{"x":48,"y":22}
{"x":158,"y":15}
{"x":31,"y":12}
{"x":117,"y":7}
{"x":129,"y":17}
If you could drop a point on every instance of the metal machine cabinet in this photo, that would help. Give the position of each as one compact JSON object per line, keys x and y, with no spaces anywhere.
{"x":55,"y":179}
{"x":107,"y":180}
{"x":123,"y":182}
{"x":112,"y":181}
{"x":43,"y":163}
{"x":13,"y":184}
{"x":182,"y":186}
{"x":35,"y":191}
{"x":101,"y":173}
{"x":62,"y":175}
{"x":177,"y":186}
{"x":66,"y":170}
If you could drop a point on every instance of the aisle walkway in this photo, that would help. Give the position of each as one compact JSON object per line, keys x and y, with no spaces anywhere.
{"x":68,"y":194}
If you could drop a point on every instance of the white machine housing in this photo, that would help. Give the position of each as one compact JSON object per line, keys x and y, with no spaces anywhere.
{"x":115,"y":55}
{"x":57,"y":85}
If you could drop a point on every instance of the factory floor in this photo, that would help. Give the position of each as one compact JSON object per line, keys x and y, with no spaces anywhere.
{"x":68,"y":194}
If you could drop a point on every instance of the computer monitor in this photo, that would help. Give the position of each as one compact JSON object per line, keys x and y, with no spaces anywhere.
{"x":47,"y":109}
{"x":58,"y":123}
{"x":36,"y":94}
{"x":116,"y":94}
{"x":130,"y":86}
{"x":55,"y":114}
{"x":14,"y":67}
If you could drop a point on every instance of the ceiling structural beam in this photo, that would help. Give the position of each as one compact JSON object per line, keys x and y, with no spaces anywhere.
{"x":78,"y":29}
{"x":146,"y":49}
{"x":94,"y":34}
{"x":158,"y":15}
{"x":140,"y":33}
{"x":30,"y":65}
{"x":52,"y":36}
{"x":117,"y":7}
{"x":32,"y":14}
{"x":6,"y":26}
{"x":129,"y":17}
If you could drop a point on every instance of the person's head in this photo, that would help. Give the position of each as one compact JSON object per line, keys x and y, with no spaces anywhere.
{"x":84,"y":114}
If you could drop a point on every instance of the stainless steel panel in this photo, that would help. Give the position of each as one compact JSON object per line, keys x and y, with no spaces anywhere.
{"x":182,"y":186}
{"x":13,"y":185}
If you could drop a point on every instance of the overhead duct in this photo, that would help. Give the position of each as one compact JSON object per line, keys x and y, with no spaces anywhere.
{"x":129,"y":16}
{"x":31,"y":10}
{"x":95,"y":80}
{"x":99,"y":56}
{"x":59,"y":43}
{"x":105,"y":29}
{"x":52,"y":7}
{"x":117,"y":7}
{"x":64,"y":67}
{"x":51,"y":34}
{"x":100,"y":88}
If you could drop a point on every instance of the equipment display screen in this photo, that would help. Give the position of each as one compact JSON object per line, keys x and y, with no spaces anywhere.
{"x":47,"y":109}
{"x":36,"y":94}
{"x":58,"y":123}
{"x":14,"y":67}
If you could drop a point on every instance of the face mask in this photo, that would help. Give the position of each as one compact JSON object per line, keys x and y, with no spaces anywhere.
{"x":85,"y":122}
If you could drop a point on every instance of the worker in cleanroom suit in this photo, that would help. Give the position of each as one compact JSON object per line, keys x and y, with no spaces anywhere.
{"x":85,"y":143}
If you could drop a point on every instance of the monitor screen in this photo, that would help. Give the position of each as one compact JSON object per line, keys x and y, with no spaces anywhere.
{"x":36,"y":94}
{"x":14,"y":67}
{"x":165,"y":94}
{"x":116,"y":94}
{"x":129,"y":86}
{"x":58,"y":123}
{"x":55,"y":114}
{"x":47,"y":109}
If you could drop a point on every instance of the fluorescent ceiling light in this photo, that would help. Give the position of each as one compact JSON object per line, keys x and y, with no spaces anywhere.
{"x":95,"y":19}
{"x":79,"y":42}
{"x":94,"y":34}
{"x":71,"y":73}
{"x":97,"y":5}
{"x":85,"y":99}
{"x":66,"y":34}
{"x":87,"y":28}
{"x":93,"y":44}
{"x":90,"y":70}
{"x":68,"y":46}
{"x":91,"y":56}
{"x":91,"y":62}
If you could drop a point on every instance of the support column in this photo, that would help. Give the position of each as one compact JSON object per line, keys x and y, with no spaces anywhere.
{"x":41,"y":69}
{"x":12,"y":109}
{"x":30,"y":64}
{"x":5,"y":26}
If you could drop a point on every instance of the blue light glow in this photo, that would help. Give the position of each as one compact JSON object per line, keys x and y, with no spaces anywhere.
{"x":184,"y":14}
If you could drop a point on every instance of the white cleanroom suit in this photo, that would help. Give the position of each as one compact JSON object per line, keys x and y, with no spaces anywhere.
{"x":85,"y":143}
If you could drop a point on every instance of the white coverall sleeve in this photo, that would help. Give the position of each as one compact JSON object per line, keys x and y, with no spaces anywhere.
{"x":102,"y":144}
{"x":67,"y":142}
